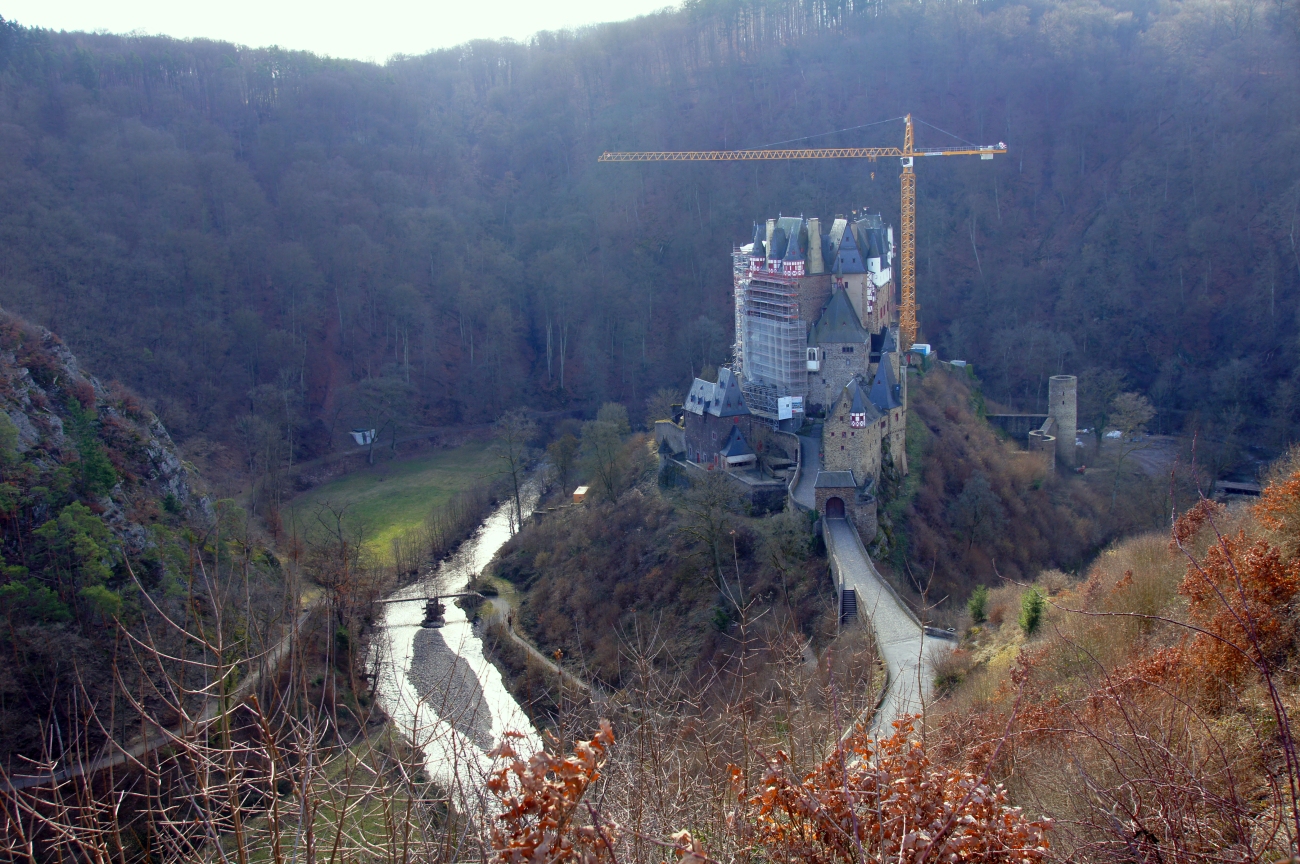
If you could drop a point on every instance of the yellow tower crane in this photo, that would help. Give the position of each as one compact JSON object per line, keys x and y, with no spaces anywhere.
{"x":907,"y":192}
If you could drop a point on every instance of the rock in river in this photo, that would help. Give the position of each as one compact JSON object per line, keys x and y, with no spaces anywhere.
{"x":448,"y":685}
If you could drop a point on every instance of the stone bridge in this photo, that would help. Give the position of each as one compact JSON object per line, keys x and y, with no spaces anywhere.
{"x":908,"y":649}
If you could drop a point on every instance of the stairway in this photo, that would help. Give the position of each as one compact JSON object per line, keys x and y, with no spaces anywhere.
{"x":848,"y":605}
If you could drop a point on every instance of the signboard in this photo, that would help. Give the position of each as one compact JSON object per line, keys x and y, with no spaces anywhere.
{"x":784,"y":407}
{"x":796,"y":404}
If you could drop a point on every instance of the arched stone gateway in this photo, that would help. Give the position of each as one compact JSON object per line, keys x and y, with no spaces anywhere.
{"x":834,"y":508}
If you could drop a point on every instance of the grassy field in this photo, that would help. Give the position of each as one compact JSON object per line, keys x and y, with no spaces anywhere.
{"x":391,"y":497}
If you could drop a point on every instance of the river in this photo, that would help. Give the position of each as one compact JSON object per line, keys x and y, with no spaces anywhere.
{"x":436,"y":684}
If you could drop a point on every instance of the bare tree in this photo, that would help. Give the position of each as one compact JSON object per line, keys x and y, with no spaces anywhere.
{"x":563,"y":453}
{"x":515,"y":433}
{"x":602,"y":447}
{"x":708,"y":514}
{"x":1129,"y":415}
{"x":381,"y":405}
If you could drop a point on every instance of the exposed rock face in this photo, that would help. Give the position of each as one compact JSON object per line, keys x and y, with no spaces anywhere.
{"x":58,"y":411}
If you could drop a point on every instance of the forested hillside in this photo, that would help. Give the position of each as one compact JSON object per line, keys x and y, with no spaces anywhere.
{"x":272,"y":245}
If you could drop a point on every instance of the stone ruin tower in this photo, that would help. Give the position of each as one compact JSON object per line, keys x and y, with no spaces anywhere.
{"x":1063,"y":407}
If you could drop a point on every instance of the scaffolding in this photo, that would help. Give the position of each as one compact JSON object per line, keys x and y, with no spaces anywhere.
{"x":760,"y":399}
{"x":740,"y":265}
{"x":775,"y":338}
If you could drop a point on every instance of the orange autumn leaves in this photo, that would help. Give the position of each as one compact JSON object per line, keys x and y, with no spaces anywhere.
{"x":886,"y":800}
{"x":1241,"y":591}
{"x":866,"y":799}
{"x":539,"y":800}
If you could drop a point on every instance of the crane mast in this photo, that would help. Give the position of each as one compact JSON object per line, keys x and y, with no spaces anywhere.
{"x":907,"y":324}
{"x":907,"y":314}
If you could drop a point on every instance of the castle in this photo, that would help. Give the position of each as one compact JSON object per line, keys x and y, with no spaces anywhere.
{"x":816,"y":338}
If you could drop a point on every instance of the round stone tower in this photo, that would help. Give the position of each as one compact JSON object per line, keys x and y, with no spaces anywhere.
{"x":1063,"y":407}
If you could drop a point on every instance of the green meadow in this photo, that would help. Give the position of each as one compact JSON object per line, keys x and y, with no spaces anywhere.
{"x":390,"y":497}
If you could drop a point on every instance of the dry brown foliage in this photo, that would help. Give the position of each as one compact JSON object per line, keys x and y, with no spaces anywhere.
{"x":540,"y":799}
{"x":886,"y":800}
{"x":1155,"y":721}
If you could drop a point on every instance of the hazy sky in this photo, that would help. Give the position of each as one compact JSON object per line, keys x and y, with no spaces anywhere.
{"x":371,"y":31}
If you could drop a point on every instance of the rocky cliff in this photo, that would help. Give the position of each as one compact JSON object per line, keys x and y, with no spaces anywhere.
{"x":65,"y":420}
{"x":95,"y":506}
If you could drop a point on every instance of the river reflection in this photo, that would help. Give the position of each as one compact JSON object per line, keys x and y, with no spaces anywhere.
{"x":435,"y":684}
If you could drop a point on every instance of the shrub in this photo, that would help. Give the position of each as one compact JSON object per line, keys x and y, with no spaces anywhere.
{"x":951,"y":669}
{"x":886,"y":800}
{"x":978,"y":604}
{"x":1032,"y":605}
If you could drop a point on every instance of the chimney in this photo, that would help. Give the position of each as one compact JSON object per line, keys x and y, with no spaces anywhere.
{"x":771,"y":229}
{"x":815,"y":264}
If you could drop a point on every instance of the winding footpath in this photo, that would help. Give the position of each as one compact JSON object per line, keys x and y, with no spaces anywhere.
{"x":810,"y":462}
{"x":909,"y":653}
{"x":129,"y":756}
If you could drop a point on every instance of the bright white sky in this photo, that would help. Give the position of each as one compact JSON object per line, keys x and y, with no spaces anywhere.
{"x":372,"y":31}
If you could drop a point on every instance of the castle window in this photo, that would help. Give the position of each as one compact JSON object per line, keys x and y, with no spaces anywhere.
{"x":844,"y":435}
{"x":851,"y":434}
{"x":841,"y":446}
{"x":847,"y":349}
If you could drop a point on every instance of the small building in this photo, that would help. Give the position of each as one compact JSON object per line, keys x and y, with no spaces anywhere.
{"x":736,"y":452}
{"x":579,"y":494}
{"x":839,"y":496}
{"x":713,"y":415}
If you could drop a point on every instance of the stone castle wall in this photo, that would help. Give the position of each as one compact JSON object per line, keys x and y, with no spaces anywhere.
{"x":838,"y":368}
{"x":845,"y":448}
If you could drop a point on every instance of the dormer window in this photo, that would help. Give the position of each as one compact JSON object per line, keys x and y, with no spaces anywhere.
{"x":858,"y":420}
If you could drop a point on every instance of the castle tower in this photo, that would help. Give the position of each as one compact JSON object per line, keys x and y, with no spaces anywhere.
{"x":815,"y":263}
{"x":1063,"y":407}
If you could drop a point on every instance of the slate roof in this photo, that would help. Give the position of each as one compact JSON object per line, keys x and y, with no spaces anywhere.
{"x":848,"y":255}
{"x":722,"y":399}
{"x":835,"y":480}
{"x":736,"y":445}
{"x":779,"y":243}
{"x":836,"y":234}
{"x":885,"y":391}
{"x":872,"y":236}
{"x":792,"y":228}
{"x":858,"y":400}
{"x":838,"y":323}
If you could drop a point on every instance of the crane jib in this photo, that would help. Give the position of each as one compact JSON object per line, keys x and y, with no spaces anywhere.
{"x":764,"y":155}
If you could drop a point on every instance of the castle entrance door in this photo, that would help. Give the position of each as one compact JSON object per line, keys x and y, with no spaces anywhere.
{"x":835,"y":508}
